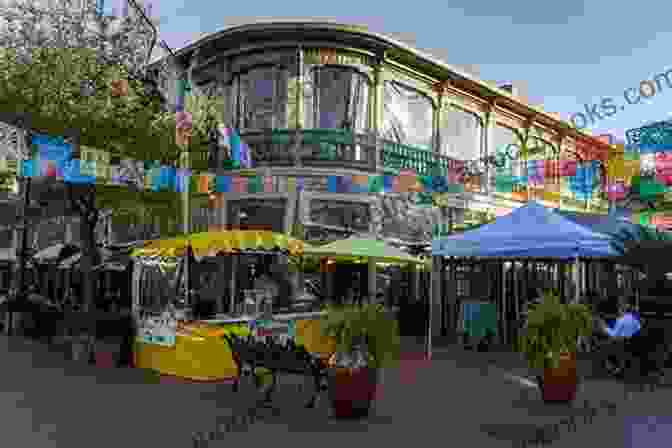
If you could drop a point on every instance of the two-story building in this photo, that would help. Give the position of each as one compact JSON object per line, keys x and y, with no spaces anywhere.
{"x":314,"y":100}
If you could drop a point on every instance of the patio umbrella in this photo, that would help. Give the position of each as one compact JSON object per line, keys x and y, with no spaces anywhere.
{"x":55,"y":253}
{"x":358,"y":248}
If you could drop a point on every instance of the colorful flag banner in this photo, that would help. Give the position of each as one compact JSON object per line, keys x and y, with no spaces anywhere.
{"x":536,"y":172}
{"x":240,"y":184}
{"x":269,"y":184}
{"x":568,"y":168}
{"x":664,"y":168}
{"x":647,"y":162}
{"x":649,"y":189}
{"x":183,"y":181}
{"x":360,"y":183}
{"x":223,"y":184}
{"x":616,"y":191}
{"x":552,"y":171}
{"x":345,"y":184}
{"x":53,"y":152}
{"x":73,"y":173}
{"x":255,"y":184}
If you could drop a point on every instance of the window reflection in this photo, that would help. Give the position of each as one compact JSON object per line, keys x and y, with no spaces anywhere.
{"x":408,"y":116}
{"x":257,"y":214}
{"x":262,"y":98}
{"x":337,"y":99}
{"x":504,"y":141}
{"x":461,"y":134}
{"x":345,"y":215}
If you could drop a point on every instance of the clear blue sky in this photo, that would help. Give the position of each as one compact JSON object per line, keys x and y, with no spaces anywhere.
{"x":568,"y":53}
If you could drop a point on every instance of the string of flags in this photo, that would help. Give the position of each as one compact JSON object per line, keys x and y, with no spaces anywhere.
{"x":52,"y":157}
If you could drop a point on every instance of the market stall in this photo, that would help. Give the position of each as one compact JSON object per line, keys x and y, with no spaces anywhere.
{"x":505,"y":263}
{"x":171,"y":341}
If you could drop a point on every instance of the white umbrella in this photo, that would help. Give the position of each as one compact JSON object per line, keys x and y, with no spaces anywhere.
{"x":51,"y":253}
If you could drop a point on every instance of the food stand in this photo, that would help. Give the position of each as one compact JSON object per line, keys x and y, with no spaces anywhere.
{"x":171,"y":343}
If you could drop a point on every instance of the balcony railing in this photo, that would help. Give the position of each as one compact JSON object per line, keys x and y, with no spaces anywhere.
{"x":315,"y":147}
{"x":337,"y":148}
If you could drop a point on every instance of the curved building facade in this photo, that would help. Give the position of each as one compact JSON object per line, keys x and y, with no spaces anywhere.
{"x":317,"y":100}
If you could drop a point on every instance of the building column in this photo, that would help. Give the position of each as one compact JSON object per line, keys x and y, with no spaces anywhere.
{"x":488,"y":147}
{"x":377,"y":109}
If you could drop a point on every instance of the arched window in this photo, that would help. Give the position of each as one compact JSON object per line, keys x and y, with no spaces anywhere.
{"x":337,"y":98}
{"x":408,"y":116}
{"x":461,"y":133}
{"x":262,"y":98}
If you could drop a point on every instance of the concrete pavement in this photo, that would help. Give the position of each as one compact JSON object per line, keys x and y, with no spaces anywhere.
{"x":48,"y":401}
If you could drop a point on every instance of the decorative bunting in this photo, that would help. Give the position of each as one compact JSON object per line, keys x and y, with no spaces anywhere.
{"x":568,"y":168}
{"x":664,"y":168}
{"x":291,"y":185}
{"x":616,"y":191}
{"x":269,"y":186}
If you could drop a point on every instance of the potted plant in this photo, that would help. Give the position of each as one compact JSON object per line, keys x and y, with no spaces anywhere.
{"x":366,"y":338}
{"x":549,"y":342}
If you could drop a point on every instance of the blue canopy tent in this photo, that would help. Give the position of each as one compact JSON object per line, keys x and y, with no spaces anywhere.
{"x":530,"y":233}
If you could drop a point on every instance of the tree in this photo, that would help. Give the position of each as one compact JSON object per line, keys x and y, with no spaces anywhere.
{"x":67,"y":71}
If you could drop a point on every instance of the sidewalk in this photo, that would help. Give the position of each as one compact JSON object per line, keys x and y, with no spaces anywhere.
{"x":52,"y":402}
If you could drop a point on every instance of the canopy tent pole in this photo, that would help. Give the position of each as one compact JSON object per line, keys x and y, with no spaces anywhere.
{"x":577,"y":279}
{"x":438,"y":266}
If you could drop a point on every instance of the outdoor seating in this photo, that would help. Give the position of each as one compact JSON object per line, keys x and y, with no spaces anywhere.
{"x":250,"y":355}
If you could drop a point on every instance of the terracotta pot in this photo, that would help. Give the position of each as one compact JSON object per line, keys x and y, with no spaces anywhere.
{"x":352,"y":391}
{"x":107,"y":354}
{"x":559,"y":385}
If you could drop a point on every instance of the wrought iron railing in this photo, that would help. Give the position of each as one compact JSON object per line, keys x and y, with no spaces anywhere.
{"x":343,"y":149}
{"x":396,"y":156}
{"x":314,"y":147}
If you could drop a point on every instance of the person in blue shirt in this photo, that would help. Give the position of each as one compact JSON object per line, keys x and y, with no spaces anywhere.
{"x":628,"y":325}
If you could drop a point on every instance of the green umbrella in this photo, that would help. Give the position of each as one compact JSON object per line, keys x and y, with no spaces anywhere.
{"x":362,"y":248}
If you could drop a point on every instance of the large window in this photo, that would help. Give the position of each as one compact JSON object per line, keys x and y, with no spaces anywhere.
{"x":337,"y":98}
{"x":262,"y":98}
{"x":504,"y":141}
{"x":344,"y":215}
{"x":408,"y":116}
{"x":257,"y":214}
{"x":461,"y":134}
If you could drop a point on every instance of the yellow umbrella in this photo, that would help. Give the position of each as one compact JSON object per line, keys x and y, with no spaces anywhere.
{"x":206,"y":244}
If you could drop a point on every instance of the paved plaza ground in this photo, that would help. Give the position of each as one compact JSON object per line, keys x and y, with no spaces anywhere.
{"x":469,"y":398}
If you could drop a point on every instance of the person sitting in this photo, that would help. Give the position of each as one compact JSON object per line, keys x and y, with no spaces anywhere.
{"x":624,"y":328}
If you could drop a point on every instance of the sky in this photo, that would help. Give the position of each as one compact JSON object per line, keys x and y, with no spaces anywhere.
{"x":566,"y":54}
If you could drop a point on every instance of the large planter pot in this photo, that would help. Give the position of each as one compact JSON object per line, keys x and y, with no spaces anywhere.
{"x":559,"y":385}
{"x":352,"y":391}
{"x":107,"y":354}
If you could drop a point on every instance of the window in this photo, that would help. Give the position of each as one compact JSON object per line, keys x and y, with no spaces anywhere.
{"x":461,"y":134}
{"x":262,"y":98}
{"x":337,"y":99}
{"x":257,"y":214}
{"x":408,"y":116}
{"x":503,"y":139}
{"x":345,"y":215}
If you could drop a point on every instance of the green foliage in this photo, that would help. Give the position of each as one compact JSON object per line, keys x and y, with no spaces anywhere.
{"x":69,"y":91}
{"x":349,"y":324}
{"x":626,"y":239}
{"x":553,"y":328}
{"x":305,"y":263}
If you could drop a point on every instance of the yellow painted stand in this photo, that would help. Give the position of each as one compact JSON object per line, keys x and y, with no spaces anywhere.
{"x":200,"y":353}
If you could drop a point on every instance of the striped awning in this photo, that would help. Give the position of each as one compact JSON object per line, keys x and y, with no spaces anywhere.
{"x":210,"y":244}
